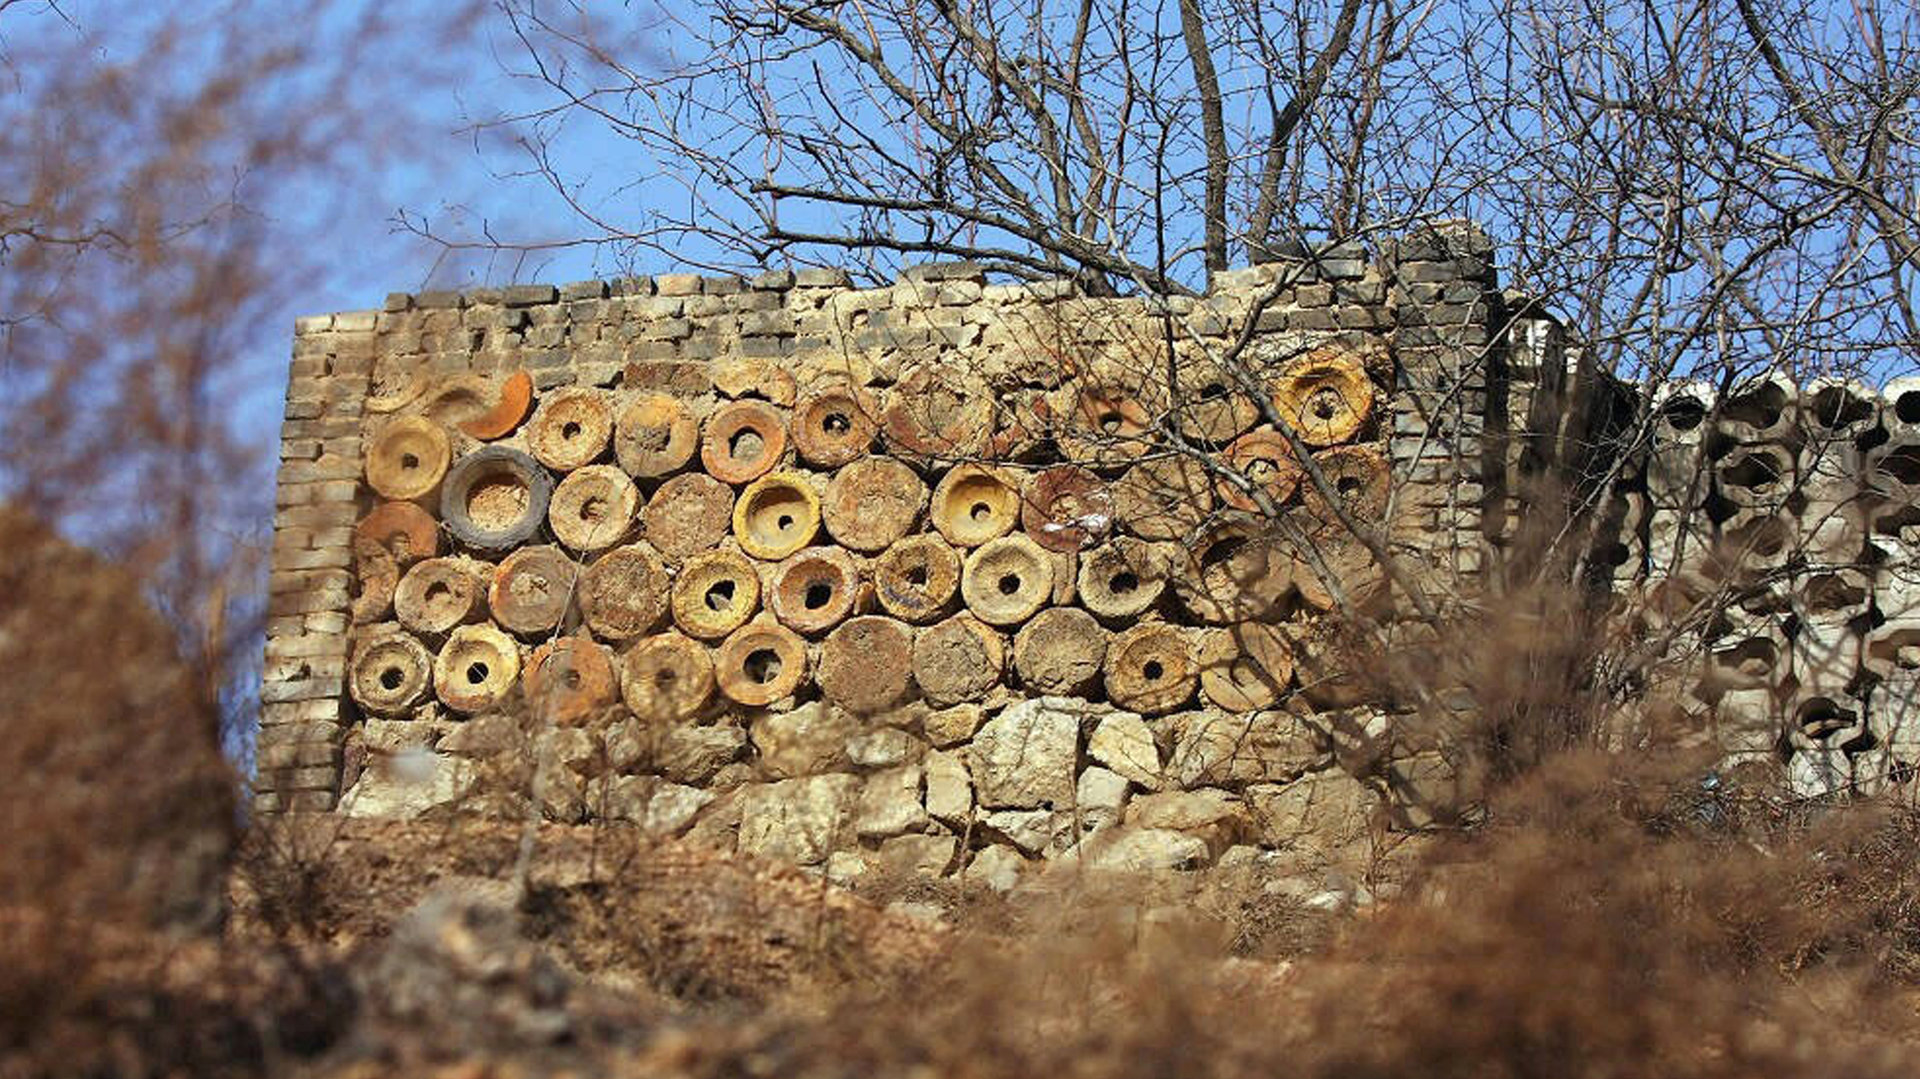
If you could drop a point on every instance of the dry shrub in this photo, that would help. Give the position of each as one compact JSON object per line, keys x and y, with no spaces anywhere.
{"x":1593,"y":933}
{"x":118,"y":807}
{"x":118,"y":802}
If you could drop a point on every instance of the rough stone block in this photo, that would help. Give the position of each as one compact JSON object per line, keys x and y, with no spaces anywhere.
{"x":1221,"y":748}
{"x":949,"y":788}
{"x":1025,"y":756}
{"x":808,"y":740}
{"x":799,"y":821}
{"x":890,"y":803}
{"x":1123,"y":742}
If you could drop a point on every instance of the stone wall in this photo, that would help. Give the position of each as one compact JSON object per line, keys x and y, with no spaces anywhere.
{"x":909,"y":575}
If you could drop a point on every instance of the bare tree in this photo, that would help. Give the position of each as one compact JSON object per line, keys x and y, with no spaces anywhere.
{"x":1680,"y":191}
{"x":1633,"y":155}
{"x":1036,"y":140}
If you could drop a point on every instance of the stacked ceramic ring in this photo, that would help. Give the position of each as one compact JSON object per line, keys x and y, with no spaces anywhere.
{"x":587,"y":551}
{"x":1793,"y":513}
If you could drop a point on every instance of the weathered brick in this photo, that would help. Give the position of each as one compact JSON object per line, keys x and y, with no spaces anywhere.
{"x":307,"y":600}
{"x":315,"y":516}
{"x":1443,"y":314}
{"x":757,"y":301}
{"x":1361,"y":318}
{"x":704,"y":346}
{"x":298,"y":755}
{"x":324,"y":558}
{"x":1372,"y":290}
{"x":766,"y":347}
{"x":301,"y":645}
{"x":335,"y":491}
{"x":944,"y":271}
{"x":587,"y":312}
{"x":319,"y":469}
{"x":954,"y":293}
{"x":653,"y":351}
{"x":666,"y":329}
{"x":1432,"y":292}
{"x":962,"y":336}
{"x":766,"y":323}
{"x":1451,"y":270}
{"x":546,"y":337}
{"x":1417,"y":333}
{"x":326,"y":730}
{"x":678,"y":284}
{"x":324,"y":621}
{"x":819,"y":278}
{"x":290,"y":581}
{"x":293,"y":801}
{"x":1339,"y":268}
{"x":303,"y":370}
{"x":1244,"y":279}
{"x":308,"y":689}
{"x":1313,"y":295}
{"x":548,"y":378}
{"x":403,"y":340}
{"x":890,"y":338}
{"x":297,"y":668}
{"x":299,"y":712}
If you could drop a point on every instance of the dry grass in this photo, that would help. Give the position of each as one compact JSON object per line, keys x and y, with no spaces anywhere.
{"x":1603,"y":929}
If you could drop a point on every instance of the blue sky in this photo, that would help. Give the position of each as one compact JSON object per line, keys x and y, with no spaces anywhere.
{"x":448,"y":174}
